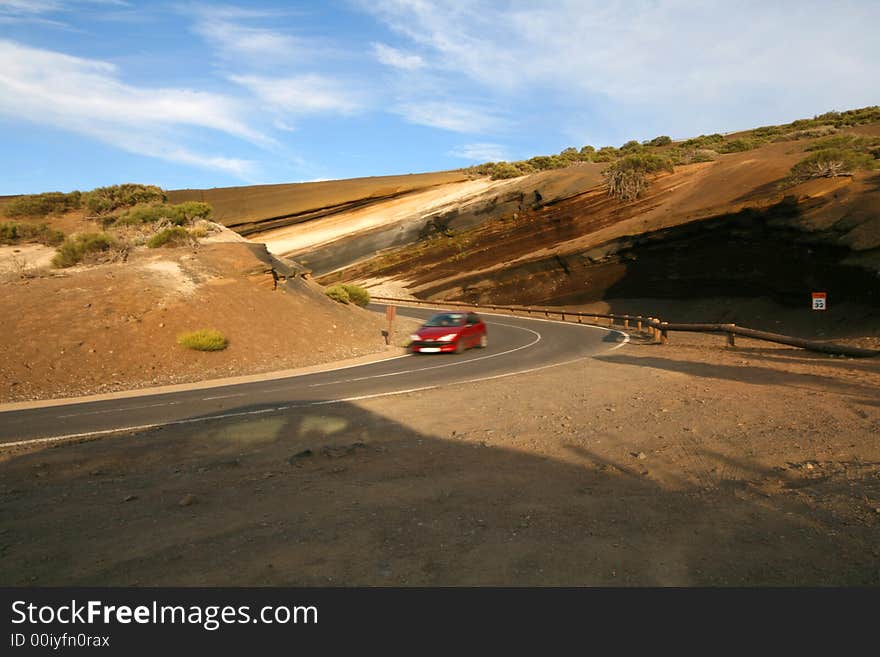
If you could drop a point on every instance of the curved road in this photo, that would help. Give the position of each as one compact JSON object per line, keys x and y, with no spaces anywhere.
{"x":516,"y":345}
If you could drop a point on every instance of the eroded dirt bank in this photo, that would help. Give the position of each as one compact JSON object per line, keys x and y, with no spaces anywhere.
{"x":691,"y":464}
{"x":114,"y":327}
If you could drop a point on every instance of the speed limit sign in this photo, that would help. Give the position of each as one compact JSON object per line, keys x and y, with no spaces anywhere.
{"x":820,"y":301}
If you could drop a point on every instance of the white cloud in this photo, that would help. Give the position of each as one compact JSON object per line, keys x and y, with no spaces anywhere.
{"x":449,"y":116}
{"x":235,"y":41}
{"x":397,"y":58}
{"x":686,"y":63}
{"x":24,"y":9}
{"x":481,"y":152}
{"x":303,"y":94}
{"x":85,"y":97}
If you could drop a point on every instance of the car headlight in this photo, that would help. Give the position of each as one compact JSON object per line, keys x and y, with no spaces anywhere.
{"x":414,"y":338}
{"x":449,"y":337}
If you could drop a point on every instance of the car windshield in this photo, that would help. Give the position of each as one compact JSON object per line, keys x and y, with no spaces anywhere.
{"x":446,"y":319}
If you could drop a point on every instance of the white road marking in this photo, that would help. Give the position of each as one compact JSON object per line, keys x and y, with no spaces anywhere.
{"x":119,"y":410}
{"x":238,"y":394}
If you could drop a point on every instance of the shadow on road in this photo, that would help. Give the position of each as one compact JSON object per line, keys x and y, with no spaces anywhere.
{"x":337,"y":495}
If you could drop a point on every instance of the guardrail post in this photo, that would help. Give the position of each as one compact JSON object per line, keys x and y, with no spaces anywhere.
{"x":639,"y":323}
{"x":626,"y":322}
{"x":664,"y":336}
{"x":731,"y":336}
{"x":562,"y":315}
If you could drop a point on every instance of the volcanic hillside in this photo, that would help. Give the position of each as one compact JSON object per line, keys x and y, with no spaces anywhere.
{"x":94,"y":303}
{"x":732,"y":216}
{"x":739,"y":226}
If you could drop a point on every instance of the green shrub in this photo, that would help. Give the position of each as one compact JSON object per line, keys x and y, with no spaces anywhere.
{"x":194,"y":210}
{"x":705,"y":141}
{"x":858,"y":143}
{"x":148,"y":214}
{"x":203,"y":340}
{"x":766,"y":131}
{"x":662,"y":140}
{"x":356,"y":294}
{"x":691,"y":155}
{"x":338,"y":293}
{"x":586,"y":153}
{"x":179,"y":214}
{"x":569,"y":156}
{"x":737,"y":145}
{"x":12,"y":232}
{"x":105,"y":200}
{"x":632,"y":146}
{"x":77,"y":247}
{"x":627,"y":178}
{"x":174,"y":236}
{"x":605,"y":154}
{"x":829,"y":163}
{"x":543,"y":163}
{"x":504,"y":170}
{"x":40,"y":205}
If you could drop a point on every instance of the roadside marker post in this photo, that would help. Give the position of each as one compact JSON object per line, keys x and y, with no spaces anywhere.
{"x":820,"y":301}
{"x":390,"y":314}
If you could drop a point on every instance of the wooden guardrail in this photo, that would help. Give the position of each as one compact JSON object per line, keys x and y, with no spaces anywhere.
{"x":658,"y":329}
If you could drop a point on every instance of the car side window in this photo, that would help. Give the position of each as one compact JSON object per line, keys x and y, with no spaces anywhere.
{"x":472,"y":319}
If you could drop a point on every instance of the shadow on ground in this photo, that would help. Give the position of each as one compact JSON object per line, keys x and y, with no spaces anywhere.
{"x":336,"y":495}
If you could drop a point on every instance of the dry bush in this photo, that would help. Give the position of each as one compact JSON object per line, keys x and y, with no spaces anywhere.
{"x":628,"y":178}
{"x":203,"y":340}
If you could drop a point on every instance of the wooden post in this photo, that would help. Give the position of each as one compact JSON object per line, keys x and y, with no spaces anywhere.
{"x":562,"y":314}
{"x":664,"y":336}
{"x":390,"y":314}
{"x":731,"y":337}
{"x":626,"y":322}
{"x":639,"y":323}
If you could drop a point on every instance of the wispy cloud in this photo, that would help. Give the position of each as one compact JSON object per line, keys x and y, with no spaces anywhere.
{"x":235,"y":41}
{"x":480,"y":152}
{"x":397,"y":58}
{"x":302,"y":94}
{"x":689,"y":65}
{"x":449,"y":116}
{"x":86,"y":97}
{"x":35,"y":10}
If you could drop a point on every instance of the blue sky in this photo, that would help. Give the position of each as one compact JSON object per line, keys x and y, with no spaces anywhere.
{"x":200,"y":94}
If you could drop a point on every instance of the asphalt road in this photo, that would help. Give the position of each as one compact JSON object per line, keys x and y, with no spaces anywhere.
{"x":516,"y":345}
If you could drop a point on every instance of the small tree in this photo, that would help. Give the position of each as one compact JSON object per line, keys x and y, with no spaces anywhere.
{"x":831,"y":162}
{"x":627,"y":178}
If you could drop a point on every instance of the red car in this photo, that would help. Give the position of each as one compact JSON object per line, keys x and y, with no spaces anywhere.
{"x":451,"y":331}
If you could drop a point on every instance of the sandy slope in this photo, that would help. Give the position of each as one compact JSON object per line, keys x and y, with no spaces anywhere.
{"x":298,"y":238}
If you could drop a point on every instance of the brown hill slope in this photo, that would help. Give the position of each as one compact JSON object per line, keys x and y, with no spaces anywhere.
{"x":257,"y":208}
{"x":725,"y":227}
{"x":114,"y":326}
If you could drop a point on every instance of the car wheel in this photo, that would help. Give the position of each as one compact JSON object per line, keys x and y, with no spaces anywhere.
{"x":484,"y":341}
{"x":459,"y":346}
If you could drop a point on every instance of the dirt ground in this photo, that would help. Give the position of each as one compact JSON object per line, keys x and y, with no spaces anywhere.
{"x":691,"y":464}
{"x":110,"y":327}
